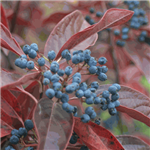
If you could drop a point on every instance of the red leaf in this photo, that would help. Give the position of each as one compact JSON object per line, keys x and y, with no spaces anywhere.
{"x":134,"y":114}
{"x":137,"y":103}
{"x":9,"y":115}
{"x":88,"y":136}
{"x":106,"y":136}
{"x":8,"y":80}
{"x":5,"y":129}
{"x":8,"y":42}
{"x":144,"y":138}
{"x":11,"y":100}
{"x":139,"y":53}
{"x":131,"y":142}
{"x":111,"y":18}
{"x":27,"y":103}
{"x":3,"y":17}
{"x":68,"y":26}
{"x":54,"y":125}
{"x":33,"y":89}
{"x":54,"y":18}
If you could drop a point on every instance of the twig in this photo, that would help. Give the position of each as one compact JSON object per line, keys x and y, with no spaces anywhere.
{"x":114,"y":57}
{"x":16,"y":11}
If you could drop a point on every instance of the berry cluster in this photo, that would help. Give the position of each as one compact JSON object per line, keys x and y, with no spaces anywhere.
{"x":61,"y":83}
{"x":138,"y":19}
{"x":20,"y":134}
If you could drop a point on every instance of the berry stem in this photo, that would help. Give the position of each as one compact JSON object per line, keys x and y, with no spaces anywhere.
{"x":34,"y":134}
{"x":59,"y":59}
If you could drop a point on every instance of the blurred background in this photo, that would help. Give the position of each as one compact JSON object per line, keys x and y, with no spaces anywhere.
{"x":33,"y":21}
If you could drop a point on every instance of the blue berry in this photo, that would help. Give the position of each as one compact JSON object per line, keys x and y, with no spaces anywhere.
{"x":30,"y":65}
{"x":23,"y":56}
{"x":68,"y":70}
{"x":73,"y":140}
{"x":50,"y":93}
{"x":117,"y":86}
{"x":111,"y":105}
{"x":112,"y":111}
{"x":87,"y":18}
{"x":83,"y":86}
{"x":124,"y":37}
{"x":104,"y":107}
{"x":22,"y":132}
{"x":61,"y":72}
{"x":92,"y":10}
{"x":87,"y":54}
{"x":32,"y":54}
{"x":64,"y":53}
{"x":103,"y":101}
{"x":91,"y":22}
{"x":9,"y":148}
{"x":14,"y":140}
{"x":77,"y":52}
{"x":102,"y":60}
{"x":41,"y":61}
{"x":112,"y":89}
{"x":116,"y":103}
{"x":55,"y":78}
{"x":85,"y":118}
{"x":54,"y":66}
{"x":116,"y":32}
{"x":65,"y":105}
{"x":108,"y":100}
{"x":89,"y":100}
{"x":15,"y":132}
{"x":77,"y":74}
{"x":93,"y":115}
{"x":102,"y":77}
{"x":92,"y":62}
{"x":141,"y":12}
{"x":47,"y":74}
{"x":97,"y":100}
{"x":34,"y":46}
{"x":141,"y":38}
{"x":93,"y":94}
{"x":46,"y":81}
{"x":23,"y":63}
{"x":28,"y":124}
{"x":18,"y":62}
{"x":97,"y":121}
{"x":89,"y":110}
{"x":70,"y":88}
{"x":99,"y":14}
{"x":30,"y":148}
{"x":115,"y":97}
{"x":144,"y":33}
{"x":64,"y":98}
{"x":94,"y":85}
{"x":125,"y":30}
{"x":68,"y":56}
{"x":76,"y":79}
{"x":104,"y":69}
{"x":87,"y":93}
{"x":136,"y":12}
{"x":92,"y":89}
{"x":131,"y":7}
{"x":120,"y":43}
{"x":58,"y":94}
{"x":84,"y":148}
{"x":51,"y":55}
{"x":79,"y":93}
{"x":57,"y":86}
{"x":76,"y":59}
{"x":70,"y":109}
{"x":105,"y":94}
{"x":26,"y":49}
{"x":76,"y":85}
